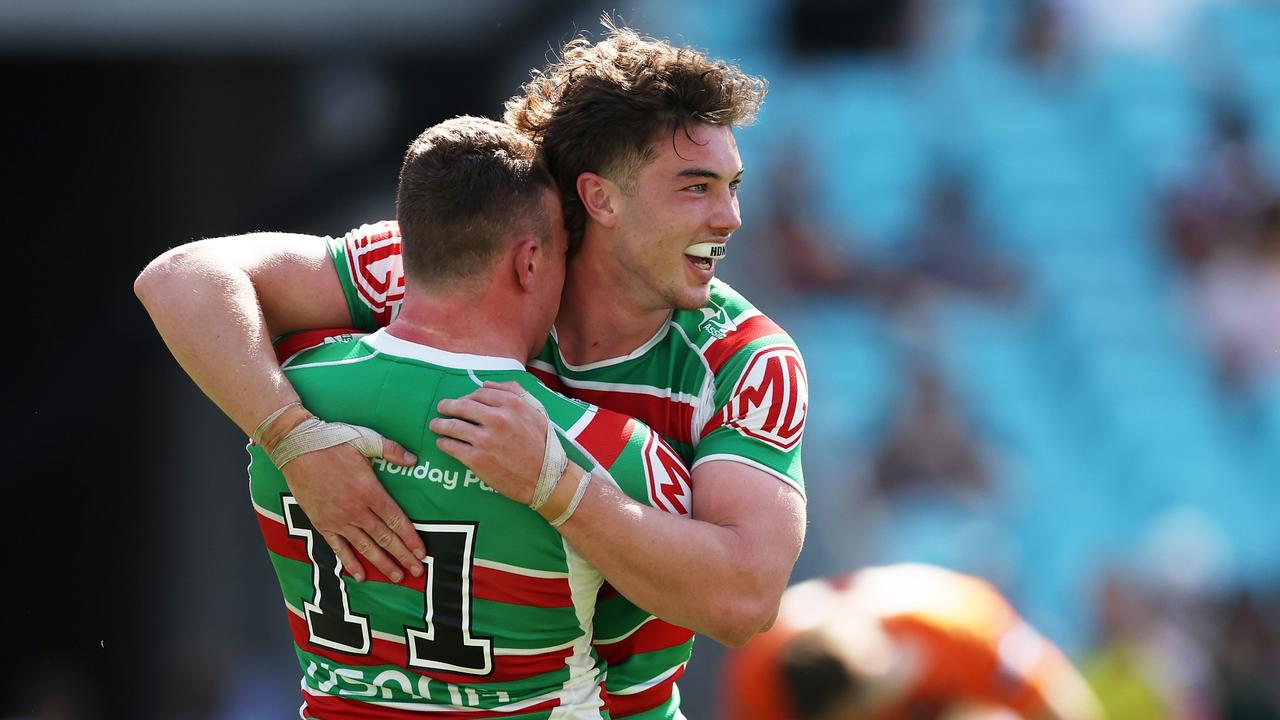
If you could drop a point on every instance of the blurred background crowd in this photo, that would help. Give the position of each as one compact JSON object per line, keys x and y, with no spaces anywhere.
{"x":1029,"y":248}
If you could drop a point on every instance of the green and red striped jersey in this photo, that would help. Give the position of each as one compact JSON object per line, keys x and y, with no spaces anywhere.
{"x":502,"y":623}
{"x":721,"y":383}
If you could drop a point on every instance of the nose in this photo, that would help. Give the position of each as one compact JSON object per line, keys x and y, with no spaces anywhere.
{"x":726,"y":219}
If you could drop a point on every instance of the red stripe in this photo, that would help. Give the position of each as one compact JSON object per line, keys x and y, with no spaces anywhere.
{"x":669,"y":418}
{"x":299,"y":341}
{"x":653,"y":635}
{"x":486,"y":583}
{"x":337,"y":708}
{"x":549,"y":379}
{"x":749,"y":331}
{"x":506,"y":668}
{"x":621,"y":706}
{"x":606,"y":436}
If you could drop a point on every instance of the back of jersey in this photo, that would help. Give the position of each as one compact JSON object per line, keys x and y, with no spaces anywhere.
{"x":500,"y":624}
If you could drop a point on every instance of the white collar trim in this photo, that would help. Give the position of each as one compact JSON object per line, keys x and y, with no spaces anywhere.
{"x":388,"y":344}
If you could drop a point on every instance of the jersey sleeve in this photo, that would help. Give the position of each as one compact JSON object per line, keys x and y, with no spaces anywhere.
{"x":622,"y":449}
{"x":761,"y":395}
{"x":371,"y":272}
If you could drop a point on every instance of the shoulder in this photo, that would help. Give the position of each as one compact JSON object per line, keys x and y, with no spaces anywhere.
{"x":310,"y":346}
{"x":730,"y":330}
{"x":369,"y":266}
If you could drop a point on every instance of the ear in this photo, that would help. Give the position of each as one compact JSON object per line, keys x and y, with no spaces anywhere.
{"x":599,"y":195}
{"x":526,"y":260}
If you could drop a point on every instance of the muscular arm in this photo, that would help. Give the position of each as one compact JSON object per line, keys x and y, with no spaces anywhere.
{"x":210,"y":300}
{"x":720,"y":572}
{"x":218,"y":303}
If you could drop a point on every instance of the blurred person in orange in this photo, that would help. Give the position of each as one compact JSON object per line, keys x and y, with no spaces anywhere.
{"x":905,"y":641}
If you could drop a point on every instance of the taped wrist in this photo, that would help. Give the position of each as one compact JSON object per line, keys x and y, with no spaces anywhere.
{"x":583,"y":482}
{"x":554,"y":459}
{"x":316,"y":434}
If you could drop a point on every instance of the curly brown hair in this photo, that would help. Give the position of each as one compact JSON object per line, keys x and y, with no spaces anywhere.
{"x":601,"y":107}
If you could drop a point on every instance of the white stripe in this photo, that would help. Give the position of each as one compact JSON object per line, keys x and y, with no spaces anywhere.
{"x":580,"y":697}
{"x":747,"y":461}
{"x":527,"y":572}
{"x":384,"y":341}
{"x":635,"y":389}
{"x":627,"y":634}
{"x":646,"y":347}
{"x":704,"y":408}
{"x":347,"y":361}
{"x":268,"y":514}
{"x":641,"y":687}
{"x":578,"y":427}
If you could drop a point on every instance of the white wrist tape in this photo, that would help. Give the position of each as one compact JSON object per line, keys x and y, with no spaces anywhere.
{"x":315,"y":434}
{"x":554,"y":459}
{"x":714,"y":251}
{"x":573,"y":504}
{"x":261,"y":430}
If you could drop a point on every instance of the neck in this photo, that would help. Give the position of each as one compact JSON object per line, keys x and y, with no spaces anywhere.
{"x":461,"y":322}
{"x":600,"y":317}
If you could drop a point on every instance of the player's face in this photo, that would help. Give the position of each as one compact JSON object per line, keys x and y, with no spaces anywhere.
{"x":686,"y":196}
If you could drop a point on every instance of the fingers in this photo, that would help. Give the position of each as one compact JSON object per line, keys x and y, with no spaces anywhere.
{"x":460,"y":451}
{"x":396,"y":453}
{"x":459,"y":430}
{"x":372,"y":552}
{"x":346,"y":555}
{"x":398,"y":536}
{"x":490,"y":397}
{"x":510,"y":386}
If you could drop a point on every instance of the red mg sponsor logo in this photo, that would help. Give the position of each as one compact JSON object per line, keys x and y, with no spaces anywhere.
{"x":668,"y":477}
{"x":376,"y":269}
{"x":771,"y":400}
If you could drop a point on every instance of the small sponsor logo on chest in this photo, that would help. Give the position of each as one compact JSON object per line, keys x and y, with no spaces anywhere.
{"x":448,"y":479}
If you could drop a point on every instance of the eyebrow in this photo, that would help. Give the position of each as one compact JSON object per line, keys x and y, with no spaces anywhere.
{"x":704,"y":173}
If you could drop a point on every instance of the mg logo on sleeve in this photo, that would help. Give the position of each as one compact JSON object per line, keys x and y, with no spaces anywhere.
{"x":771,"y":400}
{"x":668,"y":477}
{"x":373,"y":253}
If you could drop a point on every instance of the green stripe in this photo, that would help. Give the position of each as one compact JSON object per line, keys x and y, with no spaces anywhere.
{"x":643,"y":667}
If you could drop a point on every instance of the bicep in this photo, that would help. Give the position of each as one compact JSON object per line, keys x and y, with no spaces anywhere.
{"x":767,"y":513}
{"x":293,"y":276}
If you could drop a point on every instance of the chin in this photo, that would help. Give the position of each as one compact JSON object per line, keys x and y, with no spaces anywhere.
{"x":692,"y":298}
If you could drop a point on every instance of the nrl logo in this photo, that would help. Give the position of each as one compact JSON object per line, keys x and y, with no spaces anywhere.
{"x":716,"y":322}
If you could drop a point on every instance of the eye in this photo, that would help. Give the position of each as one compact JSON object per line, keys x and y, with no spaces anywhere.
{"x":699,"y":188}
{"x":733,"y":184}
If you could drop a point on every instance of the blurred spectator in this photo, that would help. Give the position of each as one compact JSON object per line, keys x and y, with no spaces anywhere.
{"x":929,"y":448}
{"x":1039,"y":41}
{"x":1237,"y":293}
{"x":809,"y":256}
{"x":948,"y":251}
{"x":1220,"y":206}
{"x":1247,"y":663}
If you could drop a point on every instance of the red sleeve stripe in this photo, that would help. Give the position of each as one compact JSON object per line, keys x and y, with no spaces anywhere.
{"x":486,"y":583}
{"x":506,"y":668}
{"x":653,"y":635}
{"x":669,"y":418}
{"x":606,"y":436}
{"x":332,"y":707}
{"x":621,"y":706}
{"x":308,"y":339}
{"x":754,"y":328}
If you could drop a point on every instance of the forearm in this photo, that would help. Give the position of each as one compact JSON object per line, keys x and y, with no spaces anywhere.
{"x":209,"y":316}
{"x":707,"y":577}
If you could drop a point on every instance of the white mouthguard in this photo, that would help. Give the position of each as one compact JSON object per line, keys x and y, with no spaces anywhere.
{"x":714,"y":251}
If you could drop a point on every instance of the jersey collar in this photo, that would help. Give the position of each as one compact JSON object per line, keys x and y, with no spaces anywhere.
{"x":388,"y":344}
